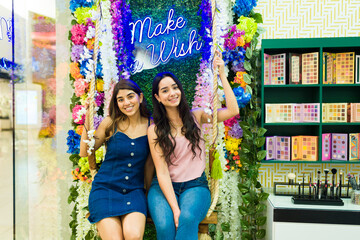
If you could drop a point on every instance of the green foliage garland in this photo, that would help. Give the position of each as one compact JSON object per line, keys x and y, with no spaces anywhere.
{"x":252,"y":207}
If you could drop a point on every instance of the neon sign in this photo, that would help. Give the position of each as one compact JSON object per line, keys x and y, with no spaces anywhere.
{"x":162,"y":42}
{"x":7,"y":27}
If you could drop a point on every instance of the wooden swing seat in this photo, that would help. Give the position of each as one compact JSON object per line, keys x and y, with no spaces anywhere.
{"x":204,"y":225}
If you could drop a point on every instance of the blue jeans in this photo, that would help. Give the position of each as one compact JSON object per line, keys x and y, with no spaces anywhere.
{"x":194,"y":201}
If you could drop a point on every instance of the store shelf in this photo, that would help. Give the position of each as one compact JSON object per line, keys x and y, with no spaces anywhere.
{"x":292,"y":85}
{"x":293,"y":124}
{"x":309,"y":93}
{"x":312,"y":162}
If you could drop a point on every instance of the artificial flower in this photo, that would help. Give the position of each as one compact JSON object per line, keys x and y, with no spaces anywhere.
{"x":73,"y":142}
{"x":249,"y":26}
{"x":75,"y":70}
{"x":80,"y":87}
{"x":78,"y":33}
{"x":244,"y":7}
{"x":78,"y":114}
{"x":76,"y":51}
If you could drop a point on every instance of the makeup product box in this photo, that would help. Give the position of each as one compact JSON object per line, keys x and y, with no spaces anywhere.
{"x":311,"y":112}
{"x":326,"y":146}
{"x":339,"y":146}
{"x":334,"y":112}
{"x":297,"y":112}
{"x":270,"y":148}
{"x":267,"y":67}
{"x":310,"y":68}
{"x":278,"y":148}
{"x":278,"y":69}
{"x":276,"y":113}
{"x":329,"y":68}
{"x":354,"y":149}
{"x":355,"y":112}
{"x":282,"y":148}
{"x":357,"y":69}
{"x":304,"y":148}
{"x":345,"y":68}
{"x":294,"y":68}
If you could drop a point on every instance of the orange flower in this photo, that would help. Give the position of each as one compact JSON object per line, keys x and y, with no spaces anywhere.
{"x":90,"y":44}
{"x":239,"y":78}
{"x":240,"y":42}
{"x":79,"y":129}
{"x":75,"y":70}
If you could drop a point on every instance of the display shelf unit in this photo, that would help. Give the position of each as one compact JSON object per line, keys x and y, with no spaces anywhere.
{"x":310,"y":93}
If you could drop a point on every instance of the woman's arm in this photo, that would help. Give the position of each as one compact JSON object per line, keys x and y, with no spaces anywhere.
{"x":163,"y":174}
{"x":149,"y":172}
{"x":232,"y":107}
{"x":99,"y":135}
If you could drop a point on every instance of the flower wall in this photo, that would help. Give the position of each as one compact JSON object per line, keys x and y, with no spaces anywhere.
{"x":237,"y":33}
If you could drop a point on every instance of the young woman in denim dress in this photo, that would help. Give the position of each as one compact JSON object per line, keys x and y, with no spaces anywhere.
{"x":179,"y":197}
{"x":117,"y":202}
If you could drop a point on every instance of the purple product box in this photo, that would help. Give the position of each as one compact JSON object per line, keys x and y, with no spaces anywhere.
{"x":339,"y":146}
{"x":270,"y":148}
{"x":282,"y":148}
{"x":326,"y":146}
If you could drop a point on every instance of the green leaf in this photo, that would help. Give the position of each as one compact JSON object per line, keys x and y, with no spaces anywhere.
{"x":260,"y":208}
{"x":245,"y":236}
{"x":247,"y":134}
{"x":244,"y":224}
{"x":261,"y":155}
{"x":263,"y":196}
{"x":261,"y":221}
{"x":225,"y":227}
{"x":247,"y":66}
{"x":244,"y":125}
{"x":249,"y":53}
{"x":261,"y":132}
{"x":247,"y":78}
{"x":243,"y":188}
{"x":246,"y":198}
{"x":258,"y":185}
{"x":260,"y":233}
{"x":243,"y":210}
{"x":258,"y":17}
{"x":249,"y":89}
{"x":260,"y":30}
{"x":260,"y":141}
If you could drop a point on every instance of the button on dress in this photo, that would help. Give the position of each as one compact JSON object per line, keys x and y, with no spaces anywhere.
{"x":118,"y":187}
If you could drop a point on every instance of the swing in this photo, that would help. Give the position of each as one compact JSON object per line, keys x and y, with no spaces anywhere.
{"x":211,"y":217}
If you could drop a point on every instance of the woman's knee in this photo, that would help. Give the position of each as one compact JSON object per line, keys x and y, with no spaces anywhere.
{"x":134,"y":234}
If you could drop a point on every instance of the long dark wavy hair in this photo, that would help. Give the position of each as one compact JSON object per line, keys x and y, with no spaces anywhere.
{"x":163,"y":128}
{"x":114,"y":112}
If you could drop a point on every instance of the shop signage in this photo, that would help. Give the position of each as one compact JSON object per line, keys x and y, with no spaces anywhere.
{"x":5,"y":26}
{"x":163,"y":41}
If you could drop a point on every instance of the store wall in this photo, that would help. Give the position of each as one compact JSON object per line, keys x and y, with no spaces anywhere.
{"x":307,"y":19}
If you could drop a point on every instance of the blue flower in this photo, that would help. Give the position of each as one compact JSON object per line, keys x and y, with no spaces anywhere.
{"x":74,"y":4}
{"x":244,"y":7}
{"x":73,"y":142}
{"x":242,"y":97}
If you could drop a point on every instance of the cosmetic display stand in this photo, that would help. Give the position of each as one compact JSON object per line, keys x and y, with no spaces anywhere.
{"x":286,"y":220}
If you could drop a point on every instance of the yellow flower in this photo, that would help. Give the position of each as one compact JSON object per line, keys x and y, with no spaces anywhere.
{"x":232,"y":168}
{"x":100,"y":85}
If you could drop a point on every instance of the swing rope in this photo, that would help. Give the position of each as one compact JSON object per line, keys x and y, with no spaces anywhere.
{"x":214,"y":182}
{"x":91,"y":93}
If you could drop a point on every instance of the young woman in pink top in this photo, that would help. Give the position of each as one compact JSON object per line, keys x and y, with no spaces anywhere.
{"x":179,"y":197}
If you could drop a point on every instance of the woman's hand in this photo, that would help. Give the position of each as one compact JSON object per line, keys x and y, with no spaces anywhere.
{"x":176,"y":217}
{"x":218,"y":62}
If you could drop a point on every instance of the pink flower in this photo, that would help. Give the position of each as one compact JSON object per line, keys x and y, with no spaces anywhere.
{"x":80,"y":86}
{"x":78,"y":114}
{"x":78,"y":32}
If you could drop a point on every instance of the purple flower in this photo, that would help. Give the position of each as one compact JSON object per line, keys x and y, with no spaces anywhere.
{"x":76,"y":51}
{"x":97,"y":121}
{"x":236,"y":131}
{"x":99,"y":98}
